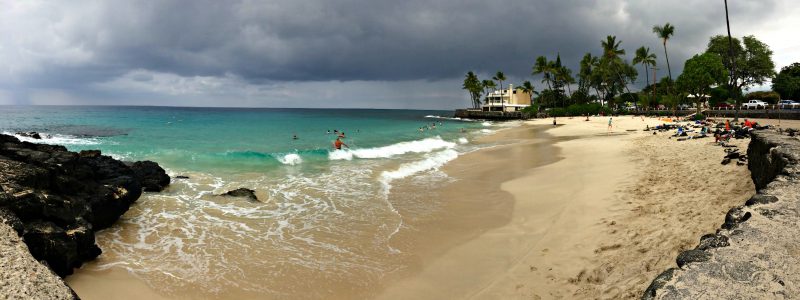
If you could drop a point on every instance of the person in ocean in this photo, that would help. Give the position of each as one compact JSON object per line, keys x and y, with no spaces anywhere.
{"x":329,"y":132}
{"x":338,"y":144}
{"x":294,"y":136}
{"x":341,"y":134}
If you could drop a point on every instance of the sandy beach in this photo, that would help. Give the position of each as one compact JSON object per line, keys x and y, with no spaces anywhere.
{"x":599,"y":222}
{"x":575,"y":211}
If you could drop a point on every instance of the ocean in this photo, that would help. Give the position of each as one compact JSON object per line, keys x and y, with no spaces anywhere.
{"x":325,"y":220}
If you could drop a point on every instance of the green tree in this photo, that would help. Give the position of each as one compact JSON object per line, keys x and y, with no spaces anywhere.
{"x":585,"y":74}
{"x":753,"y":62}
{"x":542,"y":66}
{"x":474,"y":87}
{"x":612,"y":74}
{"x":500,"y":77}
{"x":527,"y":87}
{"x":787,"y":83}
{"x":488,"y":86}
{"x":699,"y":74}
{"x":665,"y":33}
{"x":646,"y":59}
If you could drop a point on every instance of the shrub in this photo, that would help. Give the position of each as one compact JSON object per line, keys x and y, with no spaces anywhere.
{"x":699,"y":117}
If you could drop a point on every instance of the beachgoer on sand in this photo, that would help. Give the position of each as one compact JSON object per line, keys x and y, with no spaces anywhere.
{"x":609,"y":124}
{"x":338,"y":144}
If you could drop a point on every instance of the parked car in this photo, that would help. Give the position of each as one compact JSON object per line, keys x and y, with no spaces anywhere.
{"x":788,"y":104}
{"x":724,"y":106}
{"x":754,"y":104}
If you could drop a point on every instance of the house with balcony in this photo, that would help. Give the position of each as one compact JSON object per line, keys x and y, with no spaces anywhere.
{"x":507,"y":100}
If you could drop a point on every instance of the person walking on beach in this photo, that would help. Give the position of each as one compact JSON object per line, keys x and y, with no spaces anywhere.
{"x":338,"y":144}
{"x":609,"y":124}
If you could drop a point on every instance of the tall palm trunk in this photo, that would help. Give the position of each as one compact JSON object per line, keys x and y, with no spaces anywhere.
{"x":669,"y":70}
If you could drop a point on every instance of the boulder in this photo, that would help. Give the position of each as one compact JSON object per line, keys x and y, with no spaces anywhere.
{"x":709,"y":241}
{"x":56,"y":199}
{"x":152,"y":177}
{"x":243,"y":193}
{"x":30,"y":134}
{"x":692,"y":256}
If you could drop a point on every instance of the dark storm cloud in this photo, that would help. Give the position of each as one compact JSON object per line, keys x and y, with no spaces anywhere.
{"x":77,"y":44}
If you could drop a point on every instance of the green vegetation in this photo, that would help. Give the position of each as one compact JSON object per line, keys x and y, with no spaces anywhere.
{"x":787,"y":83}
{"x":665,"y":33}
{"x":748,"y":65}
{"x":699,"y":74}
{"x":720,"y":75}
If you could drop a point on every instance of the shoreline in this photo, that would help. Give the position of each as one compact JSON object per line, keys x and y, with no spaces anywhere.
{"x":495,"y":240}
{"x":583,"y":226}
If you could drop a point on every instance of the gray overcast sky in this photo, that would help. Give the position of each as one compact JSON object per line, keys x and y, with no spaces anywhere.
{"x":335,"y":53}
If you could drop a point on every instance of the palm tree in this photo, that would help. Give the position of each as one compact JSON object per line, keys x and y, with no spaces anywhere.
{"x":527,"y":87}
{"x":587,"y":66}
{"x":644,"y":57}
{"x":664,"y":33}
{"x":542,"y":66}
{"x":488,"y":85}
{"x":500,"y":77}
{"x":473,"y":87}
{"x":611,"y":47}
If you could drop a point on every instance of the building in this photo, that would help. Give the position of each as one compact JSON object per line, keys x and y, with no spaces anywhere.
{"x":507,"y":100}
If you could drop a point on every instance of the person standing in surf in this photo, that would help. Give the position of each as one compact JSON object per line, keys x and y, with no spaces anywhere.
{"x":338,"y":144}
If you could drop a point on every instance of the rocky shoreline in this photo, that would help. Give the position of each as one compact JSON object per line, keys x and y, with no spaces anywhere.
{"x":55,"y":200}
{"x":755,"y":253}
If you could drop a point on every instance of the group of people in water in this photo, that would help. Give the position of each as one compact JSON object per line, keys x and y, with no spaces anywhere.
{"x":431,"y":127}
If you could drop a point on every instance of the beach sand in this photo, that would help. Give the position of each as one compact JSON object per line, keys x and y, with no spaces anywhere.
{"x":574,"y":211}
{"x":600,"y":222}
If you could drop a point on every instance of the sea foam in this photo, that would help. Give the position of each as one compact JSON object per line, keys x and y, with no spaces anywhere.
{"x":290,"y":159}
{"x":56,"y":139}
{"x":432,"y":162}
{"x":418,"y":146}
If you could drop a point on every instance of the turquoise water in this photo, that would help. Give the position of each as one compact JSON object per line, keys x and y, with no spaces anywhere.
{"x":224,"y":139}
{"x":327,"y":219}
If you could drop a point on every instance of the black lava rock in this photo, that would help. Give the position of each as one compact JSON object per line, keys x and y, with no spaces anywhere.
{"x":735,"y":216}
{"x":709,"y":241}
{"x":152,"y":177}
{"x":761,"y":199}
{"x":243,"y":193}
{"x":56,"y":199}
{"x":658,"y":283}
{"x":691,"y":256}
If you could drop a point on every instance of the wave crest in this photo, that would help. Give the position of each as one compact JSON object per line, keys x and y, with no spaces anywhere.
{"x":418,"y":146}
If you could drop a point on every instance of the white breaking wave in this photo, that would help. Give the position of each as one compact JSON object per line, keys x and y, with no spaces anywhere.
{"x":462,"y":140}
{"x":56,"y":139}
{"x":449,"y":118}
{"x":418,"y":146}
{"x":434,"y":161}
{"x":290,"y":159}
{"x":487,"y":131}
{"x":487,"y":124}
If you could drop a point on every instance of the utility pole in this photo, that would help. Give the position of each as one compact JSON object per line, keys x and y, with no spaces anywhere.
{"x":732,"y":62}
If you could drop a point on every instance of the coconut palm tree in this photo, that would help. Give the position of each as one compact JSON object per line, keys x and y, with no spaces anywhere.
{"x":664,"y":33}
{"x":529,"y":88}
{"x":473,"y":86}
{"x":646,"y":59}
{"x":542,"y":66}
{"x":500,"y":77}
{"x":611,"y":47}
{"x":585,"y":75}
{"x":488,"y":86}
